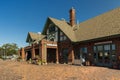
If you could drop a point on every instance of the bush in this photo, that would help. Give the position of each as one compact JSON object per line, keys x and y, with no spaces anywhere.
{"x":19,"y":58}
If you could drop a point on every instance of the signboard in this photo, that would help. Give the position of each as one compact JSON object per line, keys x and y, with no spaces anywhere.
{"x":51,"y":44}
{"x":103,"y":42}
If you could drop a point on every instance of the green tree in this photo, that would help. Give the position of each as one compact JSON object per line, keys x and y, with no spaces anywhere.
{"x":10,"y":48}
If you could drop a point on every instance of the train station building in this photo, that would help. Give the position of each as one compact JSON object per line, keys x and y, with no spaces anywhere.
{"x":96,"y":40}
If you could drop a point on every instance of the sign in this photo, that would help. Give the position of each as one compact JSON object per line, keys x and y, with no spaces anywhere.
{"x":51,"y":44}
{"x":107,"y":42}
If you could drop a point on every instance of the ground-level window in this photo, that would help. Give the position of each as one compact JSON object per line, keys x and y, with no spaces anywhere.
{"x":83,"y":53}
{"x":105,"y":53}
{"x":107,"y":47}
{"x":113,"y":47}
{"x":80,"y":52}
{"x":77,"y":53}
{"x":83,"y":50}
{"x":100,"y":48}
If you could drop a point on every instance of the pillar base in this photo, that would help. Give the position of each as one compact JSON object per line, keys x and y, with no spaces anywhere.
{"x":23,"y":59}
{"x":43,"y":63}
{"x":57,"y":62}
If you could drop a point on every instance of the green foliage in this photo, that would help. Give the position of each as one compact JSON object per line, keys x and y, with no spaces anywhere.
{"x":37,"y":60}
{"x":9,"y":48}
{"x":0,"y":57}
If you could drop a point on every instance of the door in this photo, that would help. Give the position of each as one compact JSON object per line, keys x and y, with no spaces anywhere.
{"x":29,"y":55}
{"x":100,"y":55}
{"x":65,"y":55}
{"x":107,"y":54}
{"x":51,"y":55}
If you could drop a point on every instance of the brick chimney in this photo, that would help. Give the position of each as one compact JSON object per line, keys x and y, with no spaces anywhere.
{"x":72,"y":16}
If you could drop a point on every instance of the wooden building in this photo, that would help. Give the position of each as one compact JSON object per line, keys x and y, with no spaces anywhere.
{"x":97,"y":40}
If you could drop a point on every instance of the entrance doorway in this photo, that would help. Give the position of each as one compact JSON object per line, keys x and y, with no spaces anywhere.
{"x":64,"y":55}
{"x":51,"y":55}
{"x":36,"y":52}
{"x":104,"y":54}
{"x":28,"y":55}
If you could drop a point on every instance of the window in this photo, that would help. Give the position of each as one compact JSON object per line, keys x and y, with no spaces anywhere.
{"x":83,"y":50}
{"x":51,"y":36}
{"x":107,"y":47}
{"x":113,"y":46}
{"x":77,"y":53}
{"x":51,"y":29}
{"x":62,"y":36}
{"x":94,"y":48}
{"x":52,"y":33}
{"x":105,"y":53}
{"x":100,"y":48}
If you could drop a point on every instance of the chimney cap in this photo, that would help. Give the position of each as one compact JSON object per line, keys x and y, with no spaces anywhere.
{"x":72,"y":8}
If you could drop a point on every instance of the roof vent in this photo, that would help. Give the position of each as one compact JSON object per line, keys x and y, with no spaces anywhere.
{"x":74,"y":28}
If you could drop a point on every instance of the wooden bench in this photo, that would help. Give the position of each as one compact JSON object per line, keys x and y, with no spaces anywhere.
{"x":78,"y":62}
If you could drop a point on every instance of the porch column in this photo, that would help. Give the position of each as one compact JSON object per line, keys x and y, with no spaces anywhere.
{"x":72,"y":52}
{"x":90,"y":60}
{"x":40,"y":50}
{"x":33,"y":51}
{"x":57,"y":56}
{"x":23,"y":54}
{"x":44,"y":53}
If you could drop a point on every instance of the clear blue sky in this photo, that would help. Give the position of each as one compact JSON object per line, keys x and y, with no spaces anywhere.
{"x":18,"y":17}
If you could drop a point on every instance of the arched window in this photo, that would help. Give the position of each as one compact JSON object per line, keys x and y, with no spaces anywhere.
{"x":52,"y":33}
{"x":51,"y":28}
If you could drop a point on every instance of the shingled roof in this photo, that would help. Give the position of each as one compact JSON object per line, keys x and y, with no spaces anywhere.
{"x":34,"y":36}
{"x":63,"y":26}
{"x":107,"y":24}
{"x":104,"y":25}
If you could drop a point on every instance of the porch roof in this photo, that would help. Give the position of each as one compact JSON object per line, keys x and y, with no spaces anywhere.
{"x":34,"y":37}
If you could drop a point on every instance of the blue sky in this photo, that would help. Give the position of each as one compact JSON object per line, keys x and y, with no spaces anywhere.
{"x":18,"y":17}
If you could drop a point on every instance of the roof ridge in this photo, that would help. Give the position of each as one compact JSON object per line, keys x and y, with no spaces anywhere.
{"x":112,"y":10}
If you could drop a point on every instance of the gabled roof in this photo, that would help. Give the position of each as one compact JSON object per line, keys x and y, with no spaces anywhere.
{"x":34,"y":36}
{"x":63,"y":26}
{"x":107,"y":24}
{"x":104,"y":25}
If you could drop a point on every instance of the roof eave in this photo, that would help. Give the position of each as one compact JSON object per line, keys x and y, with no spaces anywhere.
{"x":99,"y":39}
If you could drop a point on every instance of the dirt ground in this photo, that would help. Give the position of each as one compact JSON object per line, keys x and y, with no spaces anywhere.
{"x":12,"y":70}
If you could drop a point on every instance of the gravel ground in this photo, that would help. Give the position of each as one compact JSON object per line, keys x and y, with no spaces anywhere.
{"x":11,"y":70}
